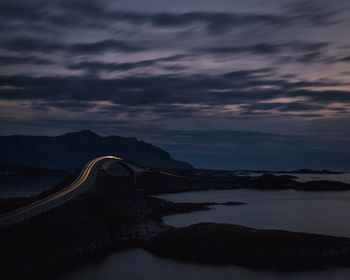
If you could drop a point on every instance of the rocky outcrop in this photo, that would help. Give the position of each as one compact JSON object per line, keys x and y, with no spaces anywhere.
{"x":108,"y":217}
{"x":162,"y":183}
{"x":231,"y":244}
{"x":112,"y":215}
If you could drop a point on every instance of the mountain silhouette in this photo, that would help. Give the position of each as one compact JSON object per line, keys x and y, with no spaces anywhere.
{"x":73,"y":150}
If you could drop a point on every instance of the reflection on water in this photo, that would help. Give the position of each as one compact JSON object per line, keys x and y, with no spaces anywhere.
{"x":137,"y":264}
{"x":316,"y":212}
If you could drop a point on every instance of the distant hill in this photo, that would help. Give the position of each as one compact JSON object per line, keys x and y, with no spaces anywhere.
{"x":73,"y":150}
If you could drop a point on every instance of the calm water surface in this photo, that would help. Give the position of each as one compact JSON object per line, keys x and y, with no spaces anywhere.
{"x":320,"y":212}
{"x":16,"y":186}
{"x":137,"y":264}
{"x":315,"y":212}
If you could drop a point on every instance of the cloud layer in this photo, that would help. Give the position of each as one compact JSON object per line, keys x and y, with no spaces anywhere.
{"x":133,"y":66}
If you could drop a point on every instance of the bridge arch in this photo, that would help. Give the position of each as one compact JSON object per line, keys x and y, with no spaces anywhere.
{"x":106,"y":166}
{"x":133,"y":169}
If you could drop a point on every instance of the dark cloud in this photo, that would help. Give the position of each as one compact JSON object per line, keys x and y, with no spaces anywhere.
{"x":11,"y":60}
{"x":300,"y":12}
{"x":303,"y":52}
{"x":67,"y":16}
{"x":213,"y":21}
{"x":344,"y":59}
{"x":284,"y":107}
{"x":101,"y":14}
{"x":31,"y":44}
{"x":70,"y":105}
{"x":176,"y":96}
{"x":263,"y":48}
{"x":84,"y":6}
{"x":78,"y":63}
{"x":315,"y":12}
{"x":95,"y":66}
{"x":105,"y":45}
{"x":22,"y":10}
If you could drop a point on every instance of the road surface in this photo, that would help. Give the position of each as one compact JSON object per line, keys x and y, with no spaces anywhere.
{"x":85,"y":179}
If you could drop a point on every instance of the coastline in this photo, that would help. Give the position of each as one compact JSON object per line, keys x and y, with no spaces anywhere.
{"x":109,"y":218}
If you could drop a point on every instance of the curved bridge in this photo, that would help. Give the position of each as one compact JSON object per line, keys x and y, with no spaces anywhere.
{"x":84,"y":181}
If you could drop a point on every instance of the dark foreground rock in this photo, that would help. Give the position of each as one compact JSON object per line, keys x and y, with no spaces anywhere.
{"x":107,"y":218}
{"x":113,"y":216}
{"x":231,"y":244}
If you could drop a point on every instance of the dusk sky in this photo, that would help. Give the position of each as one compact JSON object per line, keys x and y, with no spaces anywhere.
{"x":221,"y":84}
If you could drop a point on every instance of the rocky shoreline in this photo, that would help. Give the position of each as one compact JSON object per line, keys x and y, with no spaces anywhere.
{"x":111,"y":217}
{"x":107,"y":218}
{"x":157,"y":183}
{"x":210,"y":243}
